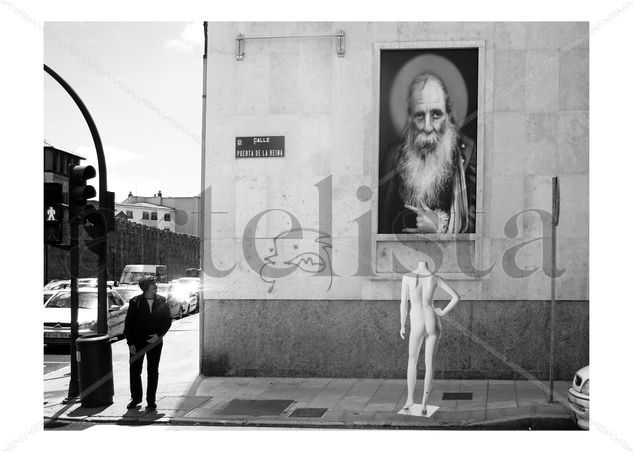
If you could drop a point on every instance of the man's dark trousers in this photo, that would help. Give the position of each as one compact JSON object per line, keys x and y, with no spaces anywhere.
{"x":153,"y":352}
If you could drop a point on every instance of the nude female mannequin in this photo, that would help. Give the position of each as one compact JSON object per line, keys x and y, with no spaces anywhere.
{"x":419,"y":286}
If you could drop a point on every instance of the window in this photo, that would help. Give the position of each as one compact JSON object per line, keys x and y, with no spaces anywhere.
{"x":167,"y":217}
{"x":129,"y":214}
{"x":145,"y":215}
{"x":114,"y":300}
{"x":154,"y":215}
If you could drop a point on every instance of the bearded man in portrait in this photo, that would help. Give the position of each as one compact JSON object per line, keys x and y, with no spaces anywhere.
{"x":428,"y":177}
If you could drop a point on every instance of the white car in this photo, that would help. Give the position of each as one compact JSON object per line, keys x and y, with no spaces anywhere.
{"x":181,"y":299}
{"x":57,"y":315}
{"x":55,"y":286}
{"x":578,"y":398}
{"x":193,"y":285}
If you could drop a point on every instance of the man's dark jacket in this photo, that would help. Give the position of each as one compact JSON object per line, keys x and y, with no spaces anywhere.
{"x":393,"y":216}
{"x":140,"y":323}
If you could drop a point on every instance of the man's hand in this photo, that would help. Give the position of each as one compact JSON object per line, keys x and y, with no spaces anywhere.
{"x":402,"y":331}
{"x":439,"y":312}
{"x":153,"y":338}
{"x":427,"y":221}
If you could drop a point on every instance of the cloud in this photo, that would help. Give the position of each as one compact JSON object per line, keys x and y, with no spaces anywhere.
{"x":190,"y":38}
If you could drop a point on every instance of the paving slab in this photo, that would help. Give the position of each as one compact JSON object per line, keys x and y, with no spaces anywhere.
{"x":530,"y":392}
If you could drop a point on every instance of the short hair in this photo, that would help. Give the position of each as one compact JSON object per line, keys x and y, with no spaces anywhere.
{"x":420,"y":81}
{"x":145,"y":282}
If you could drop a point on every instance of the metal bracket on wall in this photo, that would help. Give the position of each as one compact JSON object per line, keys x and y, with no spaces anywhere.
{"x":339,"y":35}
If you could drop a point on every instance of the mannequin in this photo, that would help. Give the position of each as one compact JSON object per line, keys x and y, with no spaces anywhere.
{"x":419,"y":286}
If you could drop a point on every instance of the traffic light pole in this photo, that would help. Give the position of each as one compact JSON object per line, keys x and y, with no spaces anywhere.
{"x":102,"y":325}
{"x":73,"y":387}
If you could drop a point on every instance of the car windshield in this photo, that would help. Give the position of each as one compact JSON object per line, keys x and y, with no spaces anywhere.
{"x":87,"y":300}
{"x":134,"y":277}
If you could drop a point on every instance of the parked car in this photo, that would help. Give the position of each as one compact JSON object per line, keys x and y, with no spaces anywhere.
{"x":193,"y":285}
{"x":578,"y":398}
{"x":57,"y":315}
{"x":92,"y":282}
{"x":181,"y":299}
{"x":131,"y":275}
{"x":54,"y":286}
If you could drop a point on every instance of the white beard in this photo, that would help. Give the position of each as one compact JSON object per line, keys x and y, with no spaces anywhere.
{"x":426,"y":172}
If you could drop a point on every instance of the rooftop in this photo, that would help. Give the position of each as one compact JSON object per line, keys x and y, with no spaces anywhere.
{"x":143,"y":204}
{"x":48,"y":144}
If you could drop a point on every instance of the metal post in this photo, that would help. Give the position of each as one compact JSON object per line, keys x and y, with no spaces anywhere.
{"x":112,"y":253}
{"x":555,"y":214}
{"x":102,"y":288}
{"x":201,"y":199}
{"x":73,"y":386}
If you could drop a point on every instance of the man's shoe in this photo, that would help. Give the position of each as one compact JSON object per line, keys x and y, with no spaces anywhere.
{"x":132,"y":404}
{"x":150,"y":407}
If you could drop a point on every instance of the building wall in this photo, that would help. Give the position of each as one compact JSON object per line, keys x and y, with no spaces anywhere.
{"x":534,"y":126}
{"x":187,"y":217}
{"x":131,"y":243}
{"x":159,"y":223}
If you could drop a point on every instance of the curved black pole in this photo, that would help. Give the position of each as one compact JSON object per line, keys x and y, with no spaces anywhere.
{"x":103,"y":172}
{"x":102,"y":309}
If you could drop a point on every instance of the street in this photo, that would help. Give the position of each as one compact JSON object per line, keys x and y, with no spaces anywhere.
{"x":57,"y":357}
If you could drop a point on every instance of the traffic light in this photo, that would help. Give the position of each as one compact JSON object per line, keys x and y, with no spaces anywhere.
{"x":78,"y":190}
{"x":53,"y":213}
{"x":98,"y":222}
{"x":96,"y":226}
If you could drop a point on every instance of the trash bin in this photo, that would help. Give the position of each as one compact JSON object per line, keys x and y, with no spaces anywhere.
{"x":94,"y":359}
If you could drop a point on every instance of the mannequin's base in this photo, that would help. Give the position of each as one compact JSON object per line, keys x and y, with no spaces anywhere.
{"x":416,"y":410}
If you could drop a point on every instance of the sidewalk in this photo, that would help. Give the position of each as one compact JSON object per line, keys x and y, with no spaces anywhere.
{"x":187,"y":398}
{"x":322,"y":403}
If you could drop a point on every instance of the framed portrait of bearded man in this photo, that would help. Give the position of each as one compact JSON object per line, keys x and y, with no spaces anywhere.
{"x":430,"y":122}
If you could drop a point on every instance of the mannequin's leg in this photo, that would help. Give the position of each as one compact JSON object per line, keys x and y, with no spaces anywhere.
{"x":416,"y":336}
{"x":432,"y":340}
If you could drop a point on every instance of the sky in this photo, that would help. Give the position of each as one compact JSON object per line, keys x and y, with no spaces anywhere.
{"x":142,"y":83}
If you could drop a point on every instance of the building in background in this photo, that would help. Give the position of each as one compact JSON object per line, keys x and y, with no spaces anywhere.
{"x":185,"y":210}
{"x":148,"y":214}
{"x":56,"y":170}
{"x":56,"y":163}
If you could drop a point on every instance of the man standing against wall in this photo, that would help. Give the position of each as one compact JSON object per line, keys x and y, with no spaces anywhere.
{"x":148,"y":320}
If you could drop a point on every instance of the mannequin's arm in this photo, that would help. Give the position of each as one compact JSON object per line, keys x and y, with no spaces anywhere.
{"x":404,"y":298}
{"x":454,"y":296}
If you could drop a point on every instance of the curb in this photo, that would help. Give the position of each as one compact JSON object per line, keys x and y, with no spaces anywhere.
{"x":507,"y":422}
